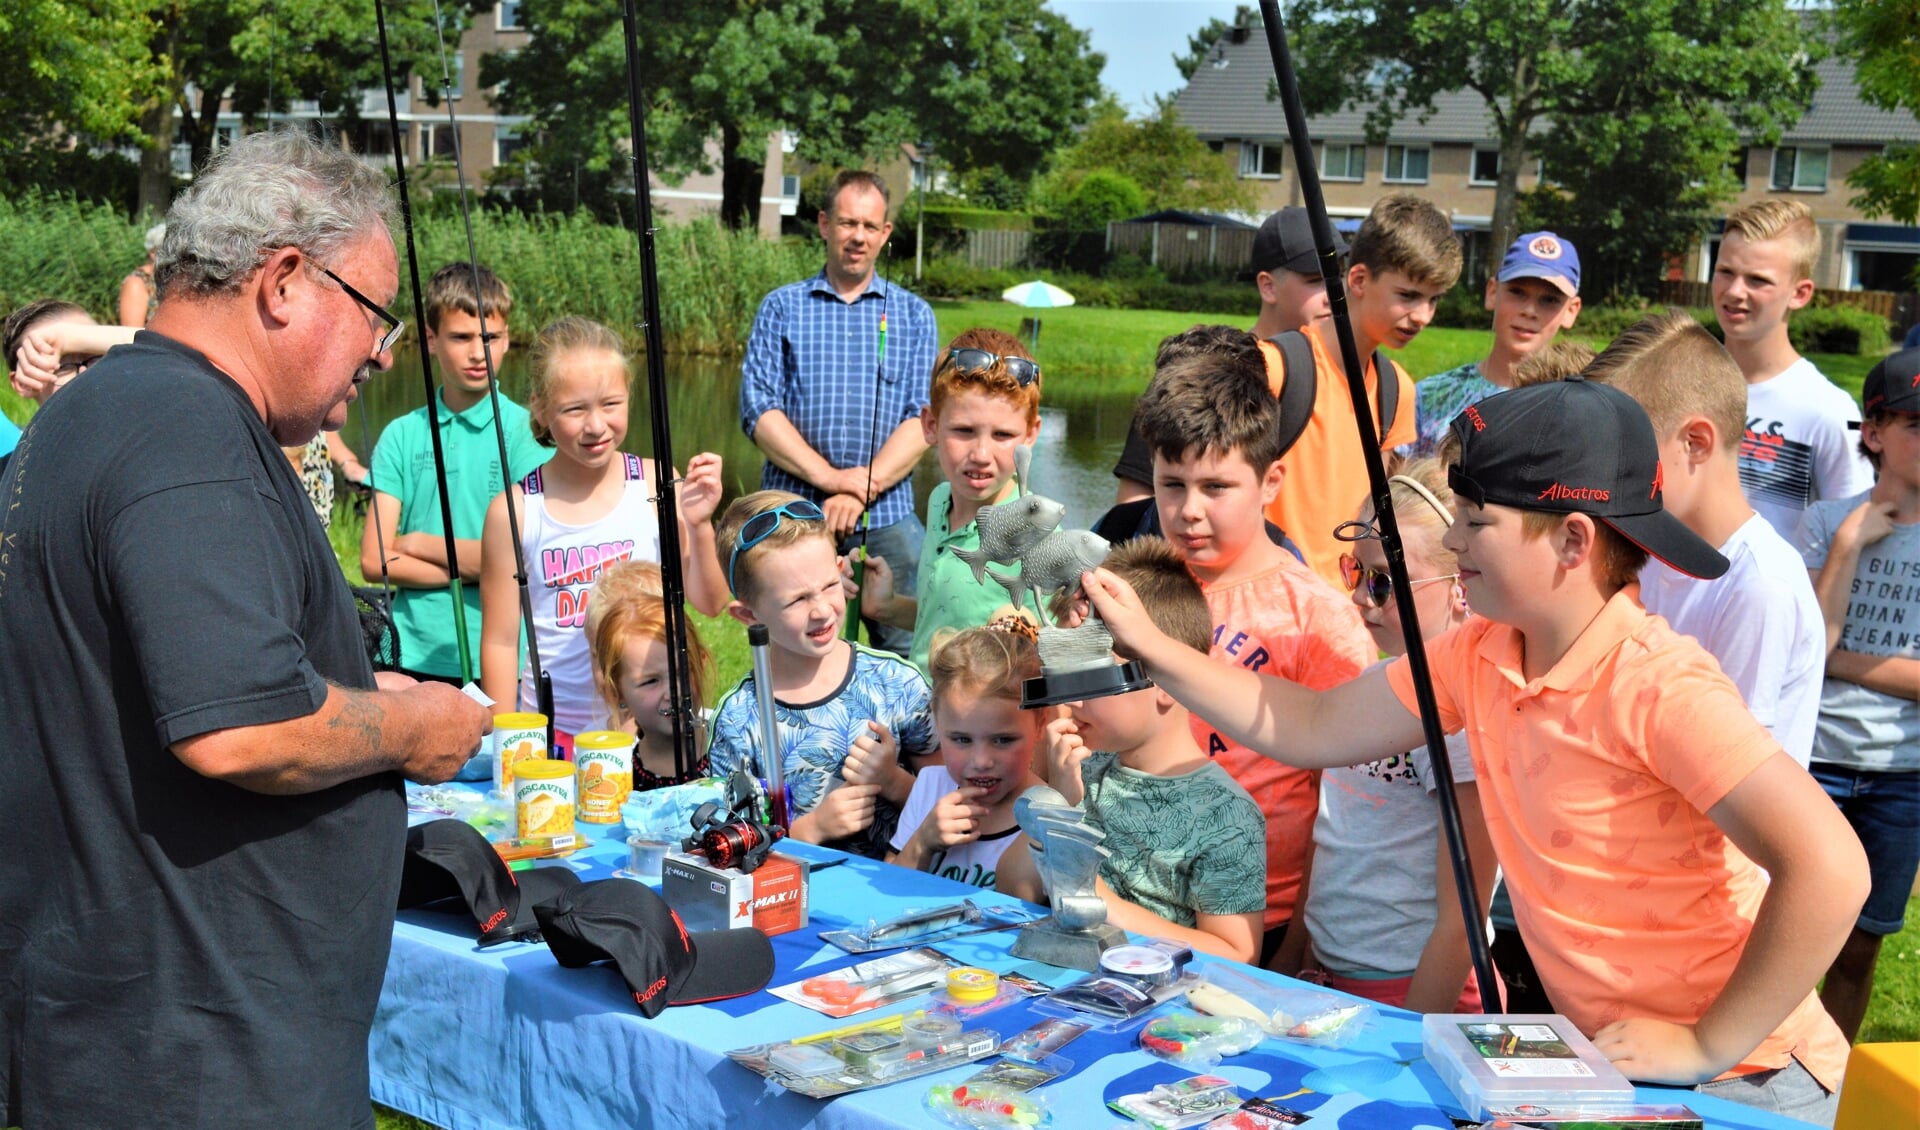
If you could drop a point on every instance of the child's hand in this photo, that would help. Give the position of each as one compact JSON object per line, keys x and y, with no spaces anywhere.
{"x":1118,"y":606}
{"x":877,"y":596}
{"x":872,"y":757}
{"x":1656,"y":1051}
{"x":700,"y":489}
{"x":1869,"y":522}
{"x":844,"y":811}
{"x":954,"y":821}
{"x":1066,"y":751}
{"x":35,"y":365}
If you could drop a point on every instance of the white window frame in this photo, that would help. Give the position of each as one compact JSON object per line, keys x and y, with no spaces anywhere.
{"x":507,"y":133}
{"x":457,"y":75}
{"x":1794,"y":185}
{"x":1473,"y":168}
{"x":1346,"y":174}
{"x":1386,"y":164}
{"x":1256,"y":168}
{"x":429,"y":151}
{"x":500,"y":15}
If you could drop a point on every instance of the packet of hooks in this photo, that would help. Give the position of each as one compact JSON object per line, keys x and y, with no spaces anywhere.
{"x":1259,"y":1114}
{"x":1186,"y":1102}
{"x":1111,"y":1002}
{"x":940,"y":922}
{"x":1309,"y":1016}
{"x":882,"y":1051}
{"x":870,"y":984}
{"x":1197,"y":1042}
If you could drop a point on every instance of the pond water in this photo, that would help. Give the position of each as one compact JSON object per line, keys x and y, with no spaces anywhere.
{"x":1079,"y":438}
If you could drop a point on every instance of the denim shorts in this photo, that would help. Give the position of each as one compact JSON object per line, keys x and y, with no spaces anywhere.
{"x":1884,"y":809}
{"x":1791,"y":1090}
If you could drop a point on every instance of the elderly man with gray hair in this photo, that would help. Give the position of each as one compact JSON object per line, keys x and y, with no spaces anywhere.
{"x":201,"y":814}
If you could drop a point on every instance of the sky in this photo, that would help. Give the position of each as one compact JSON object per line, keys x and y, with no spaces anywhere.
{"x":1139,"y":38}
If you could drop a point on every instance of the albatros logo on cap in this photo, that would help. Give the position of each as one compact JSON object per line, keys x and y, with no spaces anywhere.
{"x":1659,"y":479}
{"x":1473,"y":417}
{"x":650,"y":991}
{"x":1575,"y":494}
{"x":1544,"y":247}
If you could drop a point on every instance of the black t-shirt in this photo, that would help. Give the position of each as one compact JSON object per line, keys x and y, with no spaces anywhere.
{"x":176,"y":951}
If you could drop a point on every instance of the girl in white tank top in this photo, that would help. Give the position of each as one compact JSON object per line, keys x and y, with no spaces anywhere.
{"x":589,"y":508}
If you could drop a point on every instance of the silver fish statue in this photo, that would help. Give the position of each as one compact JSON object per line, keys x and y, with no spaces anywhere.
{"x":1056,"y":563}
{"x":1008,"y":529}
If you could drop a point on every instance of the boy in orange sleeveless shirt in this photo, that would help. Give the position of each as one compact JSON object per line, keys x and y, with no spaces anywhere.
{"x":1213,"y":428}
{"x":1630,"y":796}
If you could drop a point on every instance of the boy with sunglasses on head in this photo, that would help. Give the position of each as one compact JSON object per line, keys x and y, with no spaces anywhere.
{"x":984,"y":404}
{"x":854,"y":722}
{"x":1631,"y":798}
{"x":1213,"y":428}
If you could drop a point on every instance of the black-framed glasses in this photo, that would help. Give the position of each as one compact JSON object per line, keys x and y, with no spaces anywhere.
{"x":760,"y":527}
{"x":1375,"y":586}
{"x":1022,"y":370}
{"x":395,"y":327}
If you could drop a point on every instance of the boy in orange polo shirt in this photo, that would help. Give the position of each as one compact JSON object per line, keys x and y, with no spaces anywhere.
{"x":1213,"y":429}
{"x":1630,"y":796}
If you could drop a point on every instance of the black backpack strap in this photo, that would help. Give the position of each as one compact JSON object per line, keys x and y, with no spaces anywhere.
{"x":1388,"y":379}
{"x":1297,"y":391}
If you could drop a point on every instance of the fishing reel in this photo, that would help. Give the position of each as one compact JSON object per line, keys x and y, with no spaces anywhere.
{"x":734,"y":835}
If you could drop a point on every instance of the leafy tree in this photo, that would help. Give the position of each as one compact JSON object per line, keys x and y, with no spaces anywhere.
{"x":1884,"y":35}
{"x":1202,"y":41}
{"x":259,"y":57}
{"x":1168,"y":162}
{"x":1584,"y":70}
{"x":79,"y":71}
{"x":1102,"y":197}
{"x":993,"y":83}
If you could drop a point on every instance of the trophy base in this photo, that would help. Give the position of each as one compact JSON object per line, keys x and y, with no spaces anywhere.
{"x":1054,"y":944}
{"x":1054,"y":688}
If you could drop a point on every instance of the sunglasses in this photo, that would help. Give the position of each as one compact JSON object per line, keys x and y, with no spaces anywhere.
{"x":760,"y":527}
{"x":1375,"y":586}
{"x":1023,"y":371}
{"x":395,"y":327}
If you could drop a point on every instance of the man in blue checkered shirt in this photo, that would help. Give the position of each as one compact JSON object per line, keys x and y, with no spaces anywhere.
{"x":813,"y":370}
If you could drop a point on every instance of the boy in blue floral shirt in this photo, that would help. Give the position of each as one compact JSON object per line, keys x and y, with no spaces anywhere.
{"x":854,"y":723}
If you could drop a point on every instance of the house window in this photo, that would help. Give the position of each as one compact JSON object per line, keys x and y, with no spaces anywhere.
{"x":1258,"y":159}
{"x":1799,"y":170}
{"x":507,"y":141}
{"x":1486,"y":167}
{"x":507,"y":16}
{"x":440,"y":143}
{"x":1407,"y":164}
{"x":1341,"y":161}
{"x":457,"y":69}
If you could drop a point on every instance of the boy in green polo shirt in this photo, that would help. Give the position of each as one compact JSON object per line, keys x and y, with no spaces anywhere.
{"x":983,"y":404}
{"x":405,"y":521}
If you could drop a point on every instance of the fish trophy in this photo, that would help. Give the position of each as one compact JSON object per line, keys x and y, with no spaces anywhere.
{"x":1069,"y":861}
{"x":1075,"y":663}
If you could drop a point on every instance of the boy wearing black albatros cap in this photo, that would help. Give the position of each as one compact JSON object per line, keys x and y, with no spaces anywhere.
{"x":1630,"y":796}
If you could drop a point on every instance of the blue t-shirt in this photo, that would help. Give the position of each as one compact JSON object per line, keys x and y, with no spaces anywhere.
{"x":9,"y":435}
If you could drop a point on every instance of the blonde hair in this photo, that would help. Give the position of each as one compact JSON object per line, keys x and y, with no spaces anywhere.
{"x":990,"y":662}
{"x":621,"y":609}
{"x":1421,"y":497}
{"x":1407,"y":234}
{"x":1559,"y":359}
{"x":566,"y":335}
{"x":1168,"y":593}
{"x":1676,"y":369}
{"x":1788,"y":220}
{"x":726,"y":533}
{"x":949,"y":381}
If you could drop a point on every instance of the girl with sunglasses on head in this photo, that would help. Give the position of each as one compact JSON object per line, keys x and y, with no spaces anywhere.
{"x":1381,"y":913}
{"x":591,"y":507}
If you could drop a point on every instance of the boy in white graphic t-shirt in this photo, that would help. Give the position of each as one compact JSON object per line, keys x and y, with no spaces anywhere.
{"x":1798,"y":447}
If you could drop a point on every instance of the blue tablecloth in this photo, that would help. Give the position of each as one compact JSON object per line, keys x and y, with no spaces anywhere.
{"x":474,"y":1039}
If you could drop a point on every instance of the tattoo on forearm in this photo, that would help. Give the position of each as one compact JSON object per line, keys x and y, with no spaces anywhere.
{"x":360,"y":722}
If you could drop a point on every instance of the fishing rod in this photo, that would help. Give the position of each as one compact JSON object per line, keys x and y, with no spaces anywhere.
{"x":873,"y":452}
{"x":1382,"y":497}
{"x":672,"y":582}
{"x":454,"y":584}
{"x":542,"y":681}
